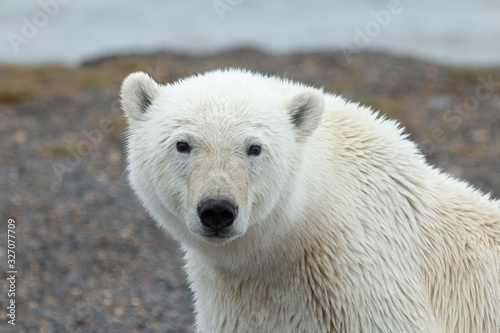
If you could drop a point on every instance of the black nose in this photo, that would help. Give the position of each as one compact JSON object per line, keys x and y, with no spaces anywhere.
{"x":217,"y":213}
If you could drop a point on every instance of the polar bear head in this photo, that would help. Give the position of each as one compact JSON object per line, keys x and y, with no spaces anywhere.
{"x":211,"y":156}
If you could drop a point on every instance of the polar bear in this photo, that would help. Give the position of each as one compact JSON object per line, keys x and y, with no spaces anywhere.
{"x":299,"y":211}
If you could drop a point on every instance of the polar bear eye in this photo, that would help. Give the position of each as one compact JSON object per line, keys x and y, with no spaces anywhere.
{"x":183,"y":147}
{"x":254,"y":150}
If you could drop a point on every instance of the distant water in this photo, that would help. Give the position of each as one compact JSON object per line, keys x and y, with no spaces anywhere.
{"x":454,"y":32}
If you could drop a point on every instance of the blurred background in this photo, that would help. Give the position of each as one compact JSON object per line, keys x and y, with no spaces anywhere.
{"x":88,"y":258}
{"x":458,"y":32}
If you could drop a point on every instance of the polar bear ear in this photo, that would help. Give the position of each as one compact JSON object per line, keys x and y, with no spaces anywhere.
{"x":305,"y":111}
{"x":137,"y":93}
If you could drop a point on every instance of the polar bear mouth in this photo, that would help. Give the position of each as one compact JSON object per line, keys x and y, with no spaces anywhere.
{"x":217,"y":233}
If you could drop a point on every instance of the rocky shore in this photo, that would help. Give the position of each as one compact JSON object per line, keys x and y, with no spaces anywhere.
{"x":89,"y":259}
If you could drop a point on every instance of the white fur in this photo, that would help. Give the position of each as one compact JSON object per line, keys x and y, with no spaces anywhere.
{"x":341,"y":225}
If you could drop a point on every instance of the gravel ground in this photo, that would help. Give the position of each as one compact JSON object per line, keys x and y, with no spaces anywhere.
{"x":89,"y":259}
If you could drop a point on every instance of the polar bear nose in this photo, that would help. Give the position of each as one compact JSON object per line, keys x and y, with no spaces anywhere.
{"x":217,"y":213}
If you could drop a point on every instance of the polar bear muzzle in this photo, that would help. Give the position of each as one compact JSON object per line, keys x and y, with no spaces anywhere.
{"x":217,"y":215}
